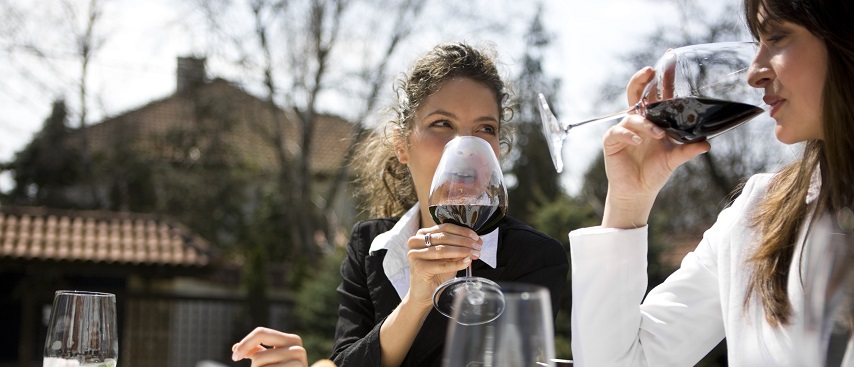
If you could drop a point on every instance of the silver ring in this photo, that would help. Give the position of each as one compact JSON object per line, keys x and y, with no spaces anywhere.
{"x":427,"y":240}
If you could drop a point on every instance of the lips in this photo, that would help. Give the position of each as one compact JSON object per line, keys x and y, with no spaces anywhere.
{"x":774,"y":101}
{"x":466,"y":176}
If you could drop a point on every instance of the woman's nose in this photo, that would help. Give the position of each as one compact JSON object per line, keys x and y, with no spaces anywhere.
{"x":760,"y":73}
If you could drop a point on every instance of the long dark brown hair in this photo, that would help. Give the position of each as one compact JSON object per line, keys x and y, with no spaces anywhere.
{"x":384,"y":183}
{"x":784,"y":208}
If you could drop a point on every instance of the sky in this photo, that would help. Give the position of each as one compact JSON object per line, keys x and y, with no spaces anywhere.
{"x":137,"y":65}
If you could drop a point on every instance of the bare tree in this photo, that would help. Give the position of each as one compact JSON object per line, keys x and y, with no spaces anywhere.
{"x":304,"y":52}
{"x":88,"y":43}
{"x":39,"y":37}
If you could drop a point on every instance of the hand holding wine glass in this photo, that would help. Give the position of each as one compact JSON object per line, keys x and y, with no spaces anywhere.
{"x":698,"y":92}
{"x":468,"y":190}
{"x":82,"y":330}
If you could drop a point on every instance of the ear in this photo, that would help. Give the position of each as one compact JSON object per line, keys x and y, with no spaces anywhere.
{"x":400,"y":147}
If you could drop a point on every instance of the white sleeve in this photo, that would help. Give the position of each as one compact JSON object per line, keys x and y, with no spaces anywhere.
{"x":608,"y":283}
{"x":677,"y":324}
{"x":680,"y":320}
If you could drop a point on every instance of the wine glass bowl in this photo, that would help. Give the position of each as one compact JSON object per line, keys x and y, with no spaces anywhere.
{"x":82,"y":330}
{"x":468,"y":190}
{"x":698,"y":92}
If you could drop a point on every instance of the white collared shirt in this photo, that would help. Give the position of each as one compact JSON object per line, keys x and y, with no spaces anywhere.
{"x":396,"y":262}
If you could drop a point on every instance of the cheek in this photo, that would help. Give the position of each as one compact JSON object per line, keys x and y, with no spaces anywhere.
{"x":806,"y":74}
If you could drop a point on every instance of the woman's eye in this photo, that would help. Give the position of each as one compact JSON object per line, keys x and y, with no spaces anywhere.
{"x":774,"y":38}
{"x":441,"y":123}
{"x":490,"y":130}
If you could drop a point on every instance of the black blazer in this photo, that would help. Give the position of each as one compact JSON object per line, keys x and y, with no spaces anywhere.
{"x":368,"y":297}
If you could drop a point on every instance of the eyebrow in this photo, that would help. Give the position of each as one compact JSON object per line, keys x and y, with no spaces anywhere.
{"x":767,"y":25}
{"x":451,"y":115}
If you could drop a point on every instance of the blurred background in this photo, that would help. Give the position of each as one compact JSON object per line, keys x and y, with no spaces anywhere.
{"x":191,"y":156}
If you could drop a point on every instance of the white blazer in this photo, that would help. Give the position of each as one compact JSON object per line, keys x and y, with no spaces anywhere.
{"x":682,"y":319}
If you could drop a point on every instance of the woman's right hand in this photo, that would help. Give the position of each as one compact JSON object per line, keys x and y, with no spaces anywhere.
{"x":639,"y":159}
{"x":451,"y":248}
{"x":268,"y":347}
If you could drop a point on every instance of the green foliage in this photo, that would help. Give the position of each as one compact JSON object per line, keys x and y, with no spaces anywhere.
{"x":48,"y":165}
{"x":536,"y":179}
{"x":317,"y":306}
{"x":556,"y":219}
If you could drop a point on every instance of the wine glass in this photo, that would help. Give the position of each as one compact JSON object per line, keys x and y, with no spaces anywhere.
{"x":828,"y":278}
{"x":468,"y":190}
{"x":698,"y":92}
{"x":522,"y":336}
{"x":82,"y":330}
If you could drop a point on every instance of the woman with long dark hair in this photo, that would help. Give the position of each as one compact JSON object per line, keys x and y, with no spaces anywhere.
{"x":743,"y":281}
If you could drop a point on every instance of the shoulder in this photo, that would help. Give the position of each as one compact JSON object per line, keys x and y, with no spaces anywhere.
{"x":363,"y":232}
{"x":376,"y":225}
{"x":755,"y":189}
{"x":759,"y":182}
{"x":515,"y":230}
{"x":512,"y":225}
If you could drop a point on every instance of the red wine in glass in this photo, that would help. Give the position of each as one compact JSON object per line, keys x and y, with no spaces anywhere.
{"x":482,"y":218}
{"x":698,"y":92}
{"x":693,"y":119}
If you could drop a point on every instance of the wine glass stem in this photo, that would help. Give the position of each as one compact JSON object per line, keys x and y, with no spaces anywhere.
{"x":468,"y":271}
{"x":612,"y":116}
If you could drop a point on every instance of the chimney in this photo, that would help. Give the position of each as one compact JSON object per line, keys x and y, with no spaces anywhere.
{"x":191,"y":73}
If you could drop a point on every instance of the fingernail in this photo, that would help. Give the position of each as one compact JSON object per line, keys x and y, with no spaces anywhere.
{"x":474,"y":236}
{"x":235,"y":357}
{"x":478,"y":246}
{"x":637,"y":139}
{"x":475,"y":253}
{"x":467,"y":260}
{"x":657,"y":130}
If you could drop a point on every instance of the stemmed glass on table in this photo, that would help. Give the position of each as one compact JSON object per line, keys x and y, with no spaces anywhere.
{"x":698,"y":92}
{"x":828,"y":279}
{"x":522,"y":336}
{"x":468,"y":190}
{"x":82,"y":330}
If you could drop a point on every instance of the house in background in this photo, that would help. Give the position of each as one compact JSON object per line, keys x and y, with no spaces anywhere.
{"x":179,"y":300}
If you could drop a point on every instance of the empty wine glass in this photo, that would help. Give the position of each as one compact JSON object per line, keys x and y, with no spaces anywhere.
{"x":698,"y":92}
{"x":82,"y":330}
{"x":522,"y":336}
{"x":828,"y":277}
{"x":468,"y":190}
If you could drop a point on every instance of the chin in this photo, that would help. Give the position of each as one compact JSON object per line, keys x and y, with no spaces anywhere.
{"x":788,"y":139}
{"x":780,"y":133}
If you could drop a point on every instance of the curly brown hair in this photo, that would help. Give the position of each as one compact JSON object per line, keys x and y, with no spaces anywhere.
{"x":385,"y":184}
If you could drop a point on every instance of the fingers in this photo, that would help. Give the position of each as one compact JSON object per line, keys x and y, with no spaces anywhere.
{"x":285,"y":356}
{"x":446,"y":241}
{"x":686,"y":152}
{"x":633,"y":130}
{"x":284,"y":348}
{"x":634,"y":91}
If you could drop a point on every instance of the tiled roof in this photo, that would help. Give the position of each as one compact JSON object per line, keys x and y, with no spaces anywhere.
{"x":36,"y":233}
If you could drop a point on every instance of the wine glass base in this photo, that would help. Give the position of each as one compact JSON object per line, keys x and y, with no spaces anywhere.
{"x":479,"y":300}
